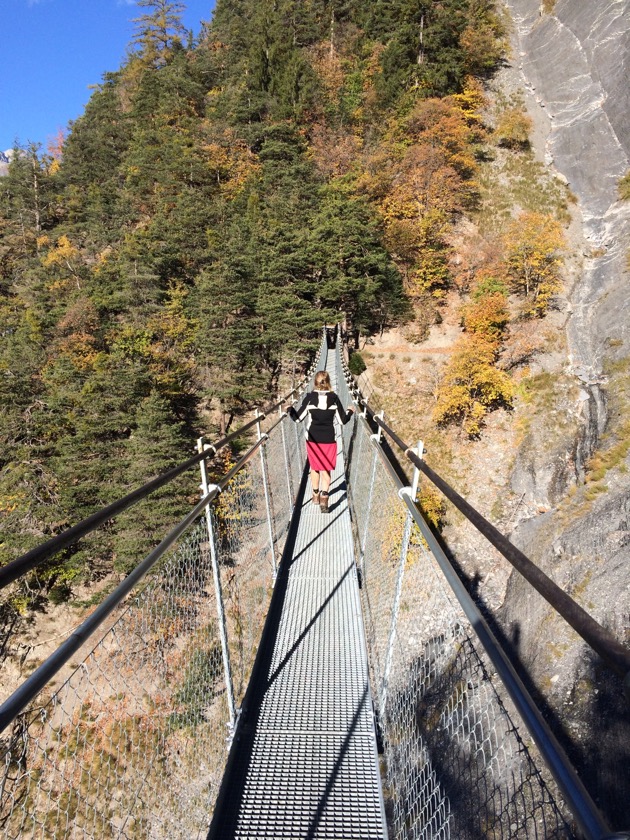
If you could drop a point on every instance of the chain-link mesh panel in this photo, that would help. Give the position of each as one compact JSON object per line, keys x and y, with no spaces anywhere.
{"x":280,"y":495}
{"x":242,"y":541}
{"x":457,"y":765}
{"x":134,"y":743}
{"x":345,"y":396}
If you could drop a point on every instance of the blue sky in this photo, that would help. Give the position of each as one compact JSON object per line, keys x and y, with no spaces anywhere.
{"x":51,"y":51}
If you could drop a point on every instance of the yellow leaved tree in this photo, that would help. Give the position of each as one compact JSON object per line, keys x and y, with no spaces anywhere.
{"x":471,"y":385}
{"x":533,"y":260}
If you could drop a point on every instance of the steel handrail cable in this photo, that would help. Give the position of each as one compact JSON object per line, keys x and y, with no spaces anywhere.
{"x":594,"y":634}
{"x":582,"y":806}
{"x":31,"y":687}
{"x":584,"y":810}
{"x":616,"y":655}
{"x":31,"y":559}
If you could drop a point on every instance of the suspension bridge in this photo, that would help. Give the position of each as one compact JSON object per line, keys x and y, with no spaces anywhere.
{"x":269,"y":671}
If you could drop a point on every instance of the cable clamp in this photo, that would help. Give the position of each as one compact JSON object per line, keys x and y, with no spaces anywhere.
{"x":406,"y":492}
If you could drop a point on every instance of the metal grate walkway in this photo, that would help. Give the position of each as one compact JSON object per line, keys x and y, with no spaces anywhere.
{"x":304,"y":762}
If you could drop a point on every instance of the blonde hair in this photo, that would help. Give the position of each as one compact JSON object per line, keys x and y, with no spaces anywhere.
{"x":322,"y":381}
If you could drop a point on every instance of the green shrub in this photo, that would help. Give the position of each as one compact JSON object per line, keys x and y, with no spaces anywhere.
{"x":60,"y":593}
{"x":356,"y":364}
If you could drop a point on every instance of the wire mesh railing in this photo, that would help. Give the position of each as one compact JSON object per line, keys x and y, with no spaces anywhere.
{"x":460,"y":761}
{"x":134,"y":740}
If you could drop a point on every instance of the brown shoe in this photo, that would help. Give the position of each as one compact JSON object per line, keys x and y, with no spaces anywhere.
{"x":315,"y":497}
{"x":323,"y":502}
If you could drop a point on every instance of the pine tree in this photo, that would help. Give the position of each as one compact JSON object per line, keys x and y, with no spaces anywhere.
{"x":159,"y":32}
{"x":353,"y":271}
{"x":158,"y":442}
{"x":90,"y":170}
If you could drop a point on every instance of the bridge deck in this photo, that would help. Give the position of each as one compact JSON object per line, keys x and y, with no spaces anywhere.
{"x":304,"y":763}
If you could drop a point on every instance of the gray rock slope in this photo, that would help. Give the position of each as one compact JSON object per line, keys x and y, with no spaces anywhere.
{"x":574,"y":63}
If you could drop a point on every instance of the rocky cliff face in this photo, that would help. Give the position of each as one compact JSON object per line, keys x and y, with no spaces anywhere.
{"x":574,"y":61}
{"x":575,"y":64}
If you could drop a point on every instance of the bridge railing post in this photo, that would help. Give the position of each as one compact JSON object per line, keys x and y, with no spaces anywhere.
{"x":286,"y":463}
{"x":412,"y":492}
{"x":216,"y":576}
{"x":366,"y":525}
{"x":299,"y":449}
{"x":265,"y":481}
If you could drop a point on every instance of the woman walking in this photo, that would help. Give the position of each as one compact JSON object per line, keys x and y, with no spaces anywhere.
{"x":320,"y":407}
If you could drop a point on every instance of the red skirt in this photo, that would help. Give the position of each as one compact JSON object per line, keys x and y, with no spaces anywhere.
{"x":321,"y":456}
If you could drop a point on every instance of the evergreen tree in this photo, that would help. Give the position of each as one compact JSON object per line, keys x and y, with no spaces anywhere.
{"x":90,"y":170}
{"x":159,"y":32}
{"x":29,"y":198}
{"x":158,"y":442}
{"x":353,"y":271}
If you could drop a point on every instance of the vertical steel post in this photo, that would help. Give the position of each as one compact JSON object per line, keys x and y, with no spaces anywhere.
{"x":263,"y":467}
{"x":298,"y":448}
{"x":404,"y":548}
{"x":229,"y":689}
{"x":377,"y":439}
{"x":286,"y":464}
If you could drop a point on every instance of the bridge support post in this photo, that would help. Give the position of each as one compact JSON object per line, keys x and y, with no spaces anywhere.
{"x":300,"y":450}
{"x":286,"y":464}
{"x":227,"y":669}
{"x":377,"y":439}
{"x":412,"y":492}
{"x":263,"y":467}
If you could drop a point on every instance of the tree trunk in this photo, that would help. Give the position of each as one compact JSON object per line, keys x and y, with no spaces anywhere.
{"x":421,"y":50}
{"x":332,"y":33}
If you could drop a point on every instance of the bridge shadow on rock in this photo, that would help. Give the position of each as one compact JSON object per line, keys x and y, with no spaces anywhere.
{"x":600,"y":745}
{"x":594,"y":732}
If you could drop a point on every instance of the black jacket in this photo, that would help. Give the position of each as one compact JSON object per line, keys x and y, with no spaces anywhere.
{"x":320,"y":408}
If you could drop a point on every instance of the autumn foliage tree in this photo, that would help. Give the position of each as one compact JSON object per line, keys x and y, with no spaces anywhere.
{"x":513,"y":129}
{"x":471,"y":385}
{"x":217,"y":200}
{"x":424,"y":182}
{"x":533,"y":244}
{"x":486,"y":315}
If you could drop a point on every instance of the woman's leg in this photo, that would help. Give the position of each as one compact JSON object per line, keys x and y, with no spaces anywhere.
{"x":324,"y":485}
{"x":315,"y":480}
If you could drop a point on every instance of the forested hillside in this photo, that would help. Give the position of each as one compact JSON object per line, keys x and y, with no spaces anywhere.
{"x":169,"y":260}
